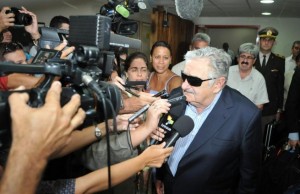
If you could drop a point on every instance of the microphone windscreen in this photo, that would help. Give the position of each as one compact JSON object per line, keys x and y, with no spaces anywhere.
{"x":189,"y":9}
{"x":184,"y":125}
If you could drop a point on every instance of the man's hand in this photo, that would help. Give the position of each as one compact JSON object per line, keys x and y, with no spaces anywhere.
{"x":32,"y":29}
{"x":65,"y":51}
{"x":293,"y":143}
{"x":45,"y":130}
{"x":6,"y":20}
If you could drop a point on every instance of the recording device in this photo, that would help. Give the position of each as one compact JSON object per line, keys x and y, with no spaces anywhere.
{"x":20,"y":18}
{"x":119,"y":12}
{"x":182,"y":127}
{"x":89,"y":60}
{"x":167,"y":120}
{"x":189,"y":10}
{"x":52,"y":37}
{"x":160,"y":93}
{"x":172,"y":101}
{"x":44,"y":54}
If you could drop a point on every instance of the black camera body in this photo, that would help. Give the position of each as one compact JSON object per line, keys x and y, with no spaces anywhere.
{"x":20,"y":18}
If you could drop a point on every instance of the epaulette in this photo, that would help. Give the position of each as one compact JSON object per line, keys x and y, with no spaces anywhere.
{"x":281,"y":56}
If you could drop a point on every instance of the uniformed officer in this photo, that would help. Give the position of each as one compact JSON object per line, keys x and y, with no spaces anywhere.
{"x":272,"y":67}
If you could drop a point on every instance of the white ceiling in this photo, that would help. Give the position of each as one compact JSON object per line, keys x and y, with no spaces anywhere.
{"x":211,"y":8}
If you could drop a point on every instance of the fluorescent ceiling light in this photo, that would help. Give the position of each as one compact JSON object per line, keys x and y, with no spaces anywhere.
{"x":267,"y":1}
{"x":266,"y":13}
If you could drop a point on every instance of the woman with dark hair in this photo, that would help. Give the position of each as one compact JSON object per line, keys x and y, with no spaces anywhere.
{"x":135,"y":69}
{"x":162,"y":77}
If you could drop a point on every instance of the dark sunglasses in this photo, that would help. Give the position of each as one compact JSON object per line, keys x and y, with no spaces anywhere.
{"x":11,"y":47}
{"x":194,"y":81}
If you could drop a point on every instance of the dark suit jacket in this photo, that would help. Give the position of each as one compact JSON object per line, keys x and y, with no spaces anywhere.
{"x":292,"y":105}
{"x":274,"y":76}
{"x":225,"y":155}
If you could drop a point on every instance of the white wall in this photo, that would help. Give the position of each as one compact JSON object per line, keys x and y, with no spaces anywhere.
{"x":289,"y":28}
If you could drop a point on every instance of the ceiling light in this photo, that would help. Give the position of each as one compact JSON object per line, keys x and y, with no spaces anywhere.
{"x":267,"y":1}
{"x":142,"y":4}
{"x":266,"y":13}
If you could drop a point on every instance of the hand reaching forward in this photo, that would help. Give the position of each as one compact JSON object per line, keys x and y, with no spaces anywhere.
{"x":47,"y":129}
{"x":155,"y":155}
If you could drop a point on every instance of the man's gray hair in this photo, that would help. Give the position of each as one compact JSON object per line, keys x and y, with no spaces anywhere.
{"x":219,"y":60}
{"x":201,"y":37}
{"x":249,"y":48}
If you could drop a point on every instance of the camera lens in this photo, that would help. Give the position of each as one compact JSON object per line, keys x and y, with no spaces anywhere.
{"x":21,"y":18}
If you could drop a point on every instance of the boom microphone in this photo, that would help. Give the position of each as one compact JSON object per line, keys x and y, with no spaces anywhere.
{"x":172,"y":101}
{"x":190,"y":9}
{"x":183,"y":126}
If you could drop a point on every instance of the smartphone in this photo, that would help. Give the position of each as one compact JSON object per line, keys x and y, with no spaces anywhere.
{"x":44,"y":54}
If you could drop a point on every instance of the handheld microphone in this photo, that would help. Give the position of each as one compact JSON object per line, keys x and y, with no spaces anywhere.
{"x":183,"y":126}
{"x":172,"y":101}
{"x":122,"y":11}
{"x":167,"y":121}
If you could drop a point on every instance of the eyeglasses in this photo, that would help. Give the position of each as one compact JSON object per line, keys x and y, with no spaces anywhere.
{"x":194,"y":81}
{"x":246,"y":57}
{"x":10,"y":47}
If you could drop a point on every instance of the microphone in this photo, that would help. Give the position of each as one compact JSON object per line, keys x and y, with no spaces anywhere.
{"x":167,"y":121}
{"x":172,"y":101}
{"x":190,"y":9}
{"x":183,"y":126}
{"x":122,"y":11}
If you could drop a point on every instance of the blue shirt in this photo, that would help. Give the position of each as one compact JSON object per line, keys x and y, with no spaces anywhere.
{"x":182,"y":144}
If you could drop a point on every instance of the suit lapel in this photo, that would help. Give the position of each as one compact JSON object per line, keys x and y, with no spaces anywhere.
{"x":222,"y":111}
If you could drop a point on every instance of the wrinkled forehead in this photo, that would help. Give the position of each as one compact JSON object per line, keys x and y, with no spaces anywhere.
{"x":197,"y":66}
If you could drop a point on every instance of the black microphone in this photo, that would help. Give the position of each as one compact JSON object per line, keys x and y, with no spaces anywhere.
{"x":183,"y":126}
{"x":172,"y":101}
{"x":190,"y":9}
{"x":167,"y":121}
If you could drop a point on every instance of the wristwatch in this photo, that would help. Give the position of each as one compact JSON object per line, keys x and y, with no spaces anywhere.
{"x":98,"y":133}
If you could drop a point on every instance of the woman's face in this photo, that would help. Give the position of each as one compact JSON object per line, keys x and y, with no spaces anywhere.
{"x":138,"y":70}
{"x":161,"y":59}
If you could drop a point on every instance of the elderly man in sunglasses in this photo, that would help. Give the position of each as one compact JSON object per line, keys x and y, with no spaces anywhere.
{"x":246,"y":79}
{"x":222,"y":154}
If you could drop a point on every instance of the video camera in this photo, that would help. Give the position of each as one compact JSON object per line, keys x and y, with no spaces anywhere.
{"x":82,"y":74}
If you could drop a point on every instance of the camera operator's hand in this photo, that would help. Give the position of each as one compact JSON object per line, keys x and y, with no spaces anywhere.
{"x":6,"y":20}
{"x":32,"y":29}
{"x":293,"y":143}
{"x":37,"y":134}
{"x":65,"y":51}
{"x":118,"y":82}
{"x":44,"y":130}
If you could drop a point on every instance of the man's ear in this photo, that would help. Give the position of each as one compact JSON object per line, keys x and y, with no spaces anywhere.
{"x":219,"y":84}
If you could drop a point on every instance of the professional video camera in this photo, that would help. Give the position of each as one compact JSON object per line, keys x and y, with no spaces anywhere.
{"x":82,"y":74}
{"x":119,"y":11}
